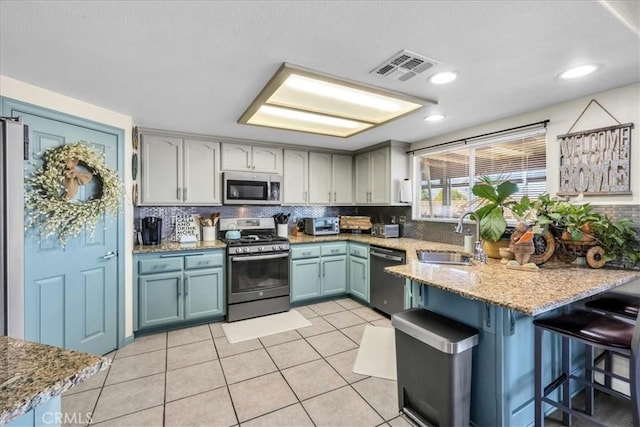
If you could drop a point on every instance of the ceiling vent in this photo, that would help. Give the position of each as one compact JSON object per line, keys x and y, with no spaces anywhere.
{"x":404,"y":65}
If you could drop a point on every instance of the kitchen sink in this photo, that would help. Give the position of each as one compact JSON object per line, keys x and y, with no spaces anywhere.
{"x":443,"y":258}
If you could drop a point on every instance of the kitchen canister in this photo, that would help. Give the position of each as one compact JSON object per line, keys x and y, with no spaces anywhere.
{"x":208,"y":234}
{"x":283,"y":230}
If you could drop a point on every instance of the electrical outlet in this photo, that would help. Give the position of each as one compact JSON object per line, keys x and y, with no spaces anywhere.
{"x":402,"y":219}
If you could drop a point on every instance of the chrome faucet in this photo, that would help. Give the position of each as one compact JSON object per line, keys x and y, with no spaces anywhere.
{"x":478,"y":254}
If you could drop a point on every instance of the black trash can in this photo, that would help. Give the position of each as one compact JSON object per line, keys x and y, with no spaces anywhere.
{"x":433,"y":355}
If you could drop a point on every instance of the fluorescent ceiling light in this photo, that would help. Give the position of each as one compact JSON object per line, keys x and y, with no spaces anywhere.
{"x":580,"y":71}
{"x":434,"y":118}
{"x":301,"y":100}
{"x":443,"y":77}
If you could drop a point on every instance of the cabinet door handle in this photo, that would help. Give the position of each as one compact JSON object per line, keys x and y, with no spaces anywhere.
{"x":305,"y":196}
{"x":179,"y":195}
{"x":318,"y":270}
{"x":179,"y":286}
{"x":329,"y":196}
{"x":186,"y":286}
{"x":184,"y":194}
{"x":334,"y":197}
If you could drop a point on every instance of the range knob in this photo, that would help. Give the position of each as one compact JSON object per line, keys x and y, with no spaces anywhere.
{"x":245,"y":250}
{"x":274,"y":247}
{"x":260,"y":248}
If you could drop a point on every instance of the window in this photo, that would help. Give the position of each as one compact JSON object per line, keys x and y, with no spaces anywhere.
{"x":447,"y":175}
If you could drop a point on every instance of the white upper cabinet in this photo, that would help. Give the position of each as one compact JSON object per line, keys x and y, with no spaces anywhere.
{"x":251,"y":158}
{"x":296,"y":177}
{"x":201,"y":161}
{"x":379,"y":173}
{"x":179,"y":171}
{"x":160,"y":170}
{"x":330,"y":179}
{"x":320,"y":177}
{"x":342,"y":179}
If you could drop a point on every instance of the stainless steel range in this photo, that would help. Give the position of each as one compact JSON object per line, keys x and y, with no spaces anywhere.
{"x":257,"y":268}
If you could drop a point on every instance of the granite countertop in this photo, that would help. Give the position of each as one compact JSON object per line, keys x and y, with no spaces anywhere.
{"x":401,"y":243}
{"x":532,"y":293}
{"x":176,"y":246}
{"x":32,"y":373}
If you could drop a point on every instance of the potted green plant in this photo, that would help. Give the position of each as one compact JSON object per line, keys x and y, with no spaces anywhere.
{"x":493,"y":199}
{"x":578,"y":224}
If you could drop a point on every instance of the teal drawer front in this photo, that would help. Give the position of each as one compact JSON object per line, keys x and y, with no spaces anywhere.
{"x":359,"y":250}
{"x":203,"y":261}
{"x":146,"y":266}
{"x":298,"y":252}
{"x":334,"y":249}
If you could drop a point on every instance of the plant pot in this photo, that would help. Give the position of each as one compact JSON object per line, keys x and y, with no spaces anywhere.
{"x":492,"y":249}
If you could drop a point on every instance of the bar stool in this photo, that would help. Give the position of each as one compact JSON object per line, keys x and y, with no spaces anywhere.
{"x":594,"y":330}
{"x":617,"y":304}
{"x":622,"y":305}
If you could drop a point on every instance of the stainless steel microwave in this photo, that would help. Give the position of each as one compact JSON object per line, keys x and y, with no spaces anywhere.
{"x":249,"y":188}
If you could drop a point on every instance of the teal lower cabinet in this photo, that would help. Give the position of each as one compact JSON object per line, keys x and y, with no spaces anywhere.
{"x":502,"y":385}
{"x":412,"y":294}
{"x":359,"y":270}
{"x":334,"y":275}
{"x":318,"y":270}
{"x":305,"y":279}
{"x":178,"y":287}
{"x":199,"y":300}
{"x":160,"y":299}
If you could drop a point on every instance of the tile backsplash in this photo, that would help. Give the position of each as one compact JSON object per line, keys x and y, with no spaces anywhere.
{"x":424,"y":230}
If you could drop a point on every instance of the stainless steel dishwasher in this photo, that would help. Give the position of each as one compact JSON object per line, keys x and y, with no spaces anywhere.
{"x":386,"y":290}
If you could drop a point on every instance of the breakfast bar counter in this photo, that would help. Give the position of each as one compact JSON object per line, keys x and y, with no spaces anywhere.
{"x":33,"y":376}
{"x":532,"y":293}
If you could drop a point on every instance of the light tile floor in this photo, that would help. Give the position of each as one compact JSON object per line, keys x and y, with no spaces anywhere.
{"x":194,"y":377}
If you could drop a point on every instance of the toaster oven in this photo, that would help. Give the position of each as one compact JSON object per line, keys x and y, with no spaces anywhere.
{"x":385,"y":230}
{"x":322,"y":226}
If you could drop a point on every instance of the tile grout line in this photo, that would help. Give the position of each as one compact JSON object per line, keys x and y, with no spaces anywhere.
{"x":166,"y":368}
{"x":95,"y":405}
{"x":224,"y":377}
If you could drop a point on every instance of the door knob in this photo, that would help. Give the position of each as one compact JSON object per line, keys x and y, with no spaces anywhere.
{"x":108,"y":255}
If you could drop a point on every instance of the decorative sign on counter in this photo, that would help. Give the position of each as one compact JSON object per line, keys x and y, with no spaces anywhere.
{"x":187,"y":228}
{"x":595,"y":162}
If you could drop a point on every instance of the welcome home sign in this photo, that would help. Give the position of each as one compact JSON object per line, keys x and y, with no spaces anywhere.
{"x":596,"y":162}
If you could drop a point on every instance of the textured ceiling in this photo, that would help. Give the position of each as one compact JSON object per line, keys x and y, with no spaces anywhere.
{"x":196,"y":66}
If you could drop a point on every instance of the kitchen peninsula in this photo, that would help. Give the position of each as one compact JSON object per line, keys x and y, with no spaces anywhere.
{"x":502,"y":304}
{"x":33,"y":376}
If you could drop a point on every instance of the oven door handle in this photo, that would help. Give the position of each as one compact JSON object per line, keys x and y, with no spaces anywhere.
{"x":258,"y":257}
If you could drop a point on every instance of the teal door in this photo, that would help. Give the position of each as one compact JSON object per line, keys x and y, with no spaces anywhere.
{"x":71,"y":292}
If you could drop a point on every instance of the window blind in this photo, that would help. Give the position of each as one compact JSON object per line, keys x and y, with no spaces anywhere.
{"x":446,"y":176}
